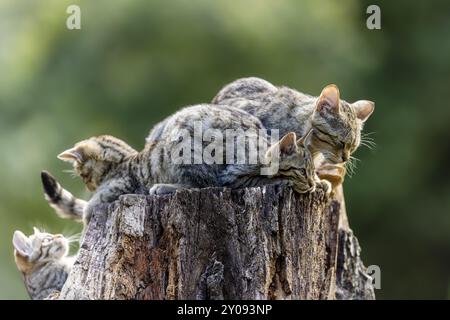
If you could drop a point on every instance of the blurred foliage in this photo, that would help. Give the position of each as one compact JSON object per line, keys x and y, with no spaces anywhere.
{"x":135,"y":62}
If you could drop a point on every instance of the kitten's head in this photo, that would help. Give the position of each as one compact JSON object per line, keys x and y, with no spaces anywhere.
{"x":95,"y":157}
{"x":38,"y":248}
{"x":338,"y":125}
{"x":295,"y":160}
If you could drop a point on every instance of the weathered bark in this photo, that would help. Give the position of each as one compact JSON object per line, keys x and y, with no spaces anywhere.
{"x":257,"y":243}
{"x":352,"y":279}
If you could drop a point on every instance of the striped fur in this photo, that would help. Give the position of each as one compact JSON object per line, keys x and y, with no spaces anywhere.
{"x":43,"y":260}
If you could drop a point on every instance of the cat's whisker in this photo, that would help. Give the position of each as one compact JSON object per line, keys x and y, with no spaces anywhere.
{"x":351,"y":165}
{"x":350,"y":169}
{"x":368,"y":144}
{"x":368,"y":140}
{"x":74,"y":238}
{"x":71,"y":172}
{"x":367,"y":134}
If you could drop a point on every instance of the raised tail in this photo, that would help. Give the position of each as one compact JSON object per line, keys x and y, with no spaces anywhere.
{"x":64,"y":203}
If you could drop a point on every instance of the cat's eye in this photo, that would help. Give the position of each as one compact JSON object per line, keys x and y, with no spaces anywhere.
{"x":303,"y":172}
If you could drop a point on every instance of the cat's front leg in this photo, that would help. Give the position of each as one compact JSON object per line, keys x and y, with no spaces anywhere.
{"x":298,"y":186}
{"x":325,"y":185}
{"x":95,"y":201}
{"x":106,"y":194}
{"x":282,"y":182}
{"x":332,"y":173}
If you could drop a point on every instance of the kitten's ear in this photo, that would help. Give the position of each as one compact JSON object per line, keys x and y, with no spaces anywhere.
{"x":71,"y":155}
{"x":36,"y":230}
{"x":287,"y":145}
{"x":363,"y":108}
{"x":303,"y":140}
{"x":329,"y":99}
{"x":22,"y":244}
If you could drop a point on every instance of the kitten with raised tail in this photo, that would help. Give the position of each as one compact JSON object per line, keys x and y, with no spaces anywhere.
{"x":110,"y":168}
{"x":43,"y":260}
{"x":337,"y":124}
{"x":62,"y":201}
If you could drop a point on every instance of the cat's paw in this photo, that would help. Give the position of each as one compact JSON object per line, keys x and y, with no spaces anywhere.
{"x":301,"y":186}
{"x":335,"y":174}
{"x":161,"y":188}
{"x":53,"y":296}
{"x":325,"y":185}
{"x":50,"y":186}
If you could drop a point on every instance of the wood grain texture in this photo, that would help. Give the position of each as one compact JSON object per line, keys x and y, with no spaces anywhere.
{"x":214,"y":243}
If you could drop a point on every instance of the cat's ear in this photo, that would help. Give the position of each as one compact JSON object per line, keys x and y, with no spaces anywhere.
{"x":329,"y":99}
{"x":287,"y":145}
{"x":36,"y":230}
{"x":363,"y":109}
{"x":71,"y":155}
{"x":22,"y":244}
{"x":303,"y":140}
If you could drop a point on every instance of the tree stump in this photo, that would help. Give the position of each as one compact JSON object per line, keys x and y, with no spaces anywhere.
{"x":218,"y":243}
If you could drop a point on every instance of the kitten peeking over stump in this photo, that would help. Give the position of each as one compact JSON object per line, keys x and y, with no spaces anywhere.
{"x":252,"y":134}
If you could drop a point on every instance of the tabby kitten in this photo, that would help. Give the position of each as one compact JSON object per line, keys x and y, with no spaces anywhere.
{"x":296,"y":168}
{"x":337,"y":124}
{"x":43,"y":260}
{"x":111,"y":168}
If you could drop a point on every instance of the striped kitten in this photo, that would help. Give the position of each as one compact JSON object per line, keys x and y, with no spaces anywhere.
{"x":42,"y":259}
{"x":296,"y":167}
{"x":111,"y":168}
{"x":337,"y":124}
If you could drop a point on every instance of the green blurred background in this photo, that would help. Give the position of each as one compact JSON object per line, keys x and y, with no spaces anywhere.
{"x":135,"y":62}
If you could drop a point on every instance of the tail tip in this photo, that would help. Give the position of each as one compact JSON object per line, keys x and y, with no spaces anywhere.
{"x":50,"y":185}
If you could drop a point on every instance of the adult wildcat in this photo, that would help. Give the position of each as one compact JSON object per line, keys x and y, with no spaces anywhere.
{"x":337,"y":124}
